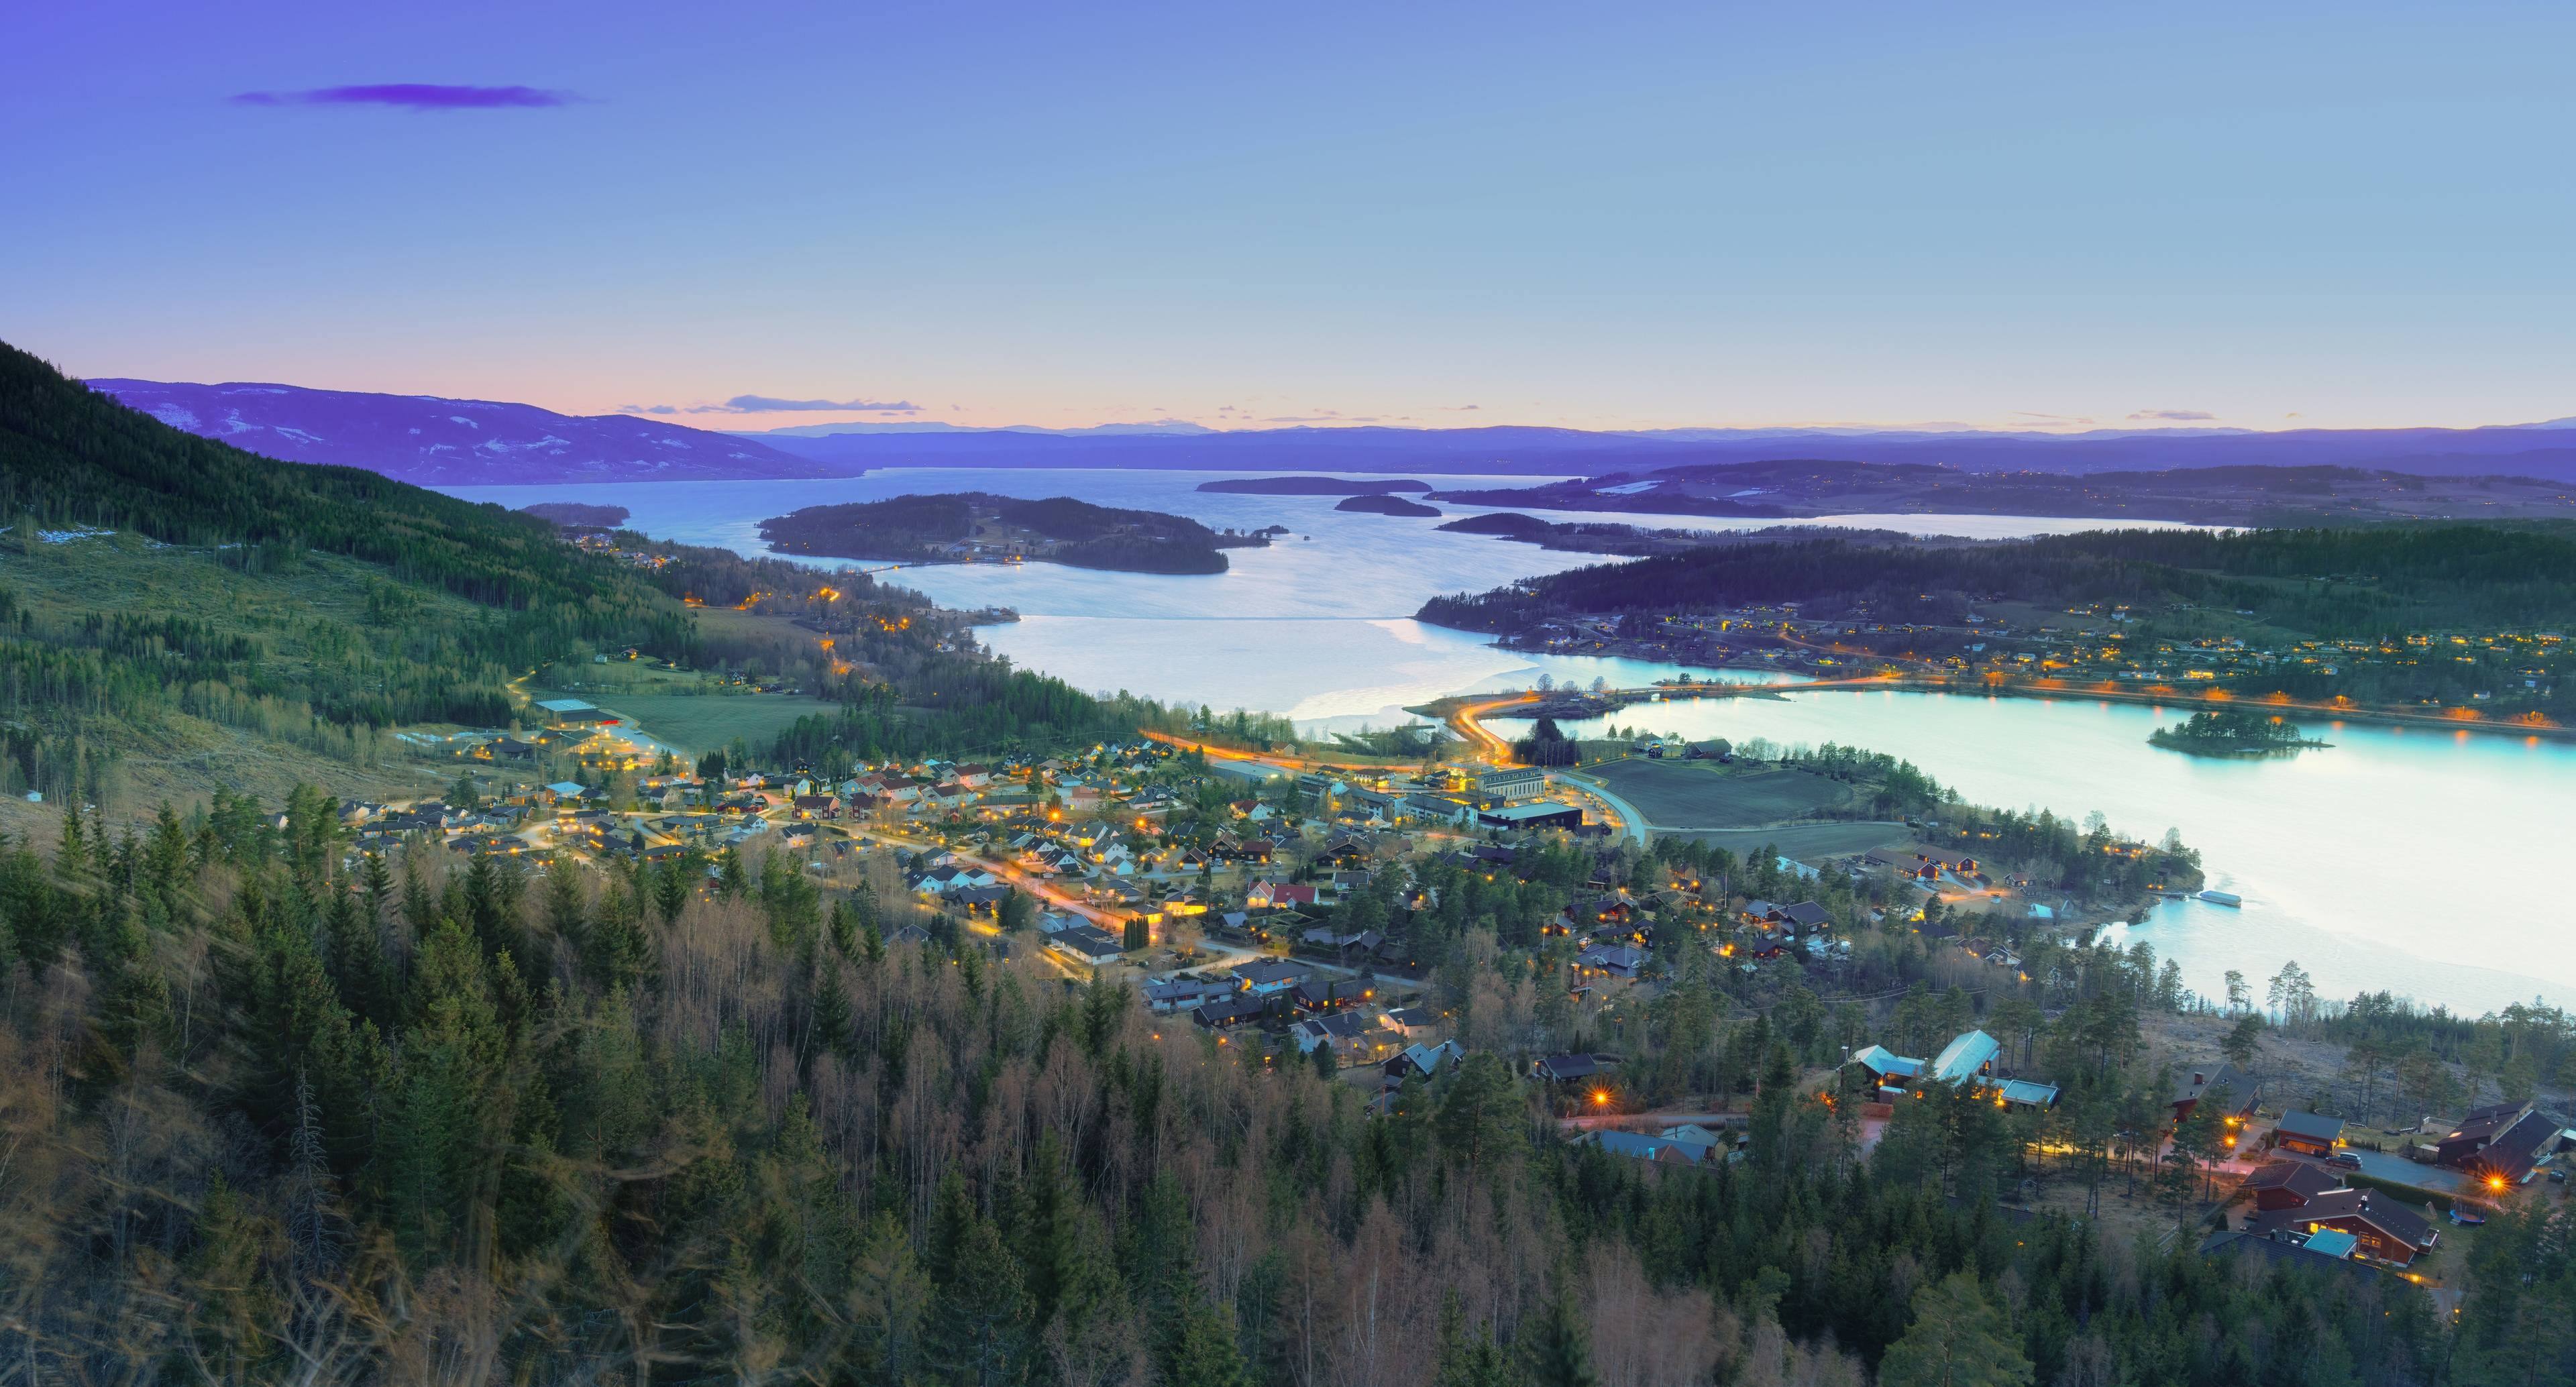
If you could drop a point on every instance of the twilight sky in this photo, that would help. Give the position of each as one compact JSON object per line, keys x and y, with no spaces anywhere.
{"x":1600,"y":216}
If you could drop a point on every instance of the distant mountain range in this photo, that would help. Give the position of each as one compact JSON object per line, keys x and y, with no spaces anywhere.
{"x":2538,"y":450}
{"x":430,"y":441}
{"x":442,"y":442}
{"x":1180,"y":428}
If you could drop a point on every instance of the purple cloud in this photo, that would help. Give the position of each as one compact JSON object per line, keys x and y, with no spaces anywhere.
{"x":414,"y":96}
{"x":770,"y":404}
{"x":647,"y":409}
{"x":2184,"y":416}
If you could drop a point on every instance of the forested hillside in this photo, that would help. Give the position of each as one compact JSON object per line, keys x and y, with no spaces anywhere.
{"x":176,"y":614}
{"x":2363,"y":581}
{"x":273,"y":1116}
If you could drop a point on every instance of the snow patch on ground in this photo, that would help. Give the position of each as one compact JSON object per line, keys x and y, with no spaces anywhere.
{"x":234,"y":423}
{"x":496,"y":446}
{"x":1630,"y":489}
{"x":672,"y":443}
{"x":256,"y":390}
{"x":461,"y":419}
{"x":67,"y":536}
{"x":176,"y":416}
{"x":298,"y":435}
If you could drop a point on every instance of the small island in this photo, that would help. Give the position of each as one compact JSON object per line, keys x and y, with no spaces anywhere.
{"x":1380,"y":503}
{"x":1308,"y":486}
{"x":975,"y":526}
{"x":1581,"y":537}
{"x":575,"y":515}
{"x":2232,"y":734}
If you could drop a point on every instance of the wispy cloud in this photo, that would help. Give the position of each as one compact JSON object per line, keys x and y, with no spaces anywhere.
{"x":2179,"y":416}
{"x":415,"y":96}
{"x":1462,"y":407}
{"x":770,"y":404}
{"x":2049,"y":418}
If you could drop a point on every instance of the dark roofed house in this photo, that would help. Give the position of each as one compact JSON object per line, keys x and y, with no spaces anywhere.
{"x":1268,"y":975}
{"x":1184,"y":994}
{"x":2188,"y":1092}
{"x":1354,"y":1038}
{"x":2513,"y":1153}
{"x":1412,"y":1023}
{"x":2481,"y":1126}
{"x":1562,"y":1069}
{"x":2289,"y":1184}
{"x":1327,"y":994}
{"x":1231,"y":1010}
{"x":2307,"y":1133}
{"x":1616,"y":960}
{"x":1085,"y":944}
{"x":1806,"y":915}
{"x":2382,"y":1227}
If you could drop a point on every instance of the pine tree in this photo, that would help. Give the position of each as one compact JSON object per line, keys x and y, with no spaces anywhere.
{"x":235,"y":1308}
{"x":1958,"y":1339}
{"x":1559,"y":1354}
{"x":982,"y":1319}
{"x":890,"y":1302}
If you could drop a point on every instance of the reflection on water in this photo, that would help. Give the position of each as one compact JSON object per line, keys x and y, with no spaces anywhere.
{"x":2403,"y":859}
{"x":2419,"y":862}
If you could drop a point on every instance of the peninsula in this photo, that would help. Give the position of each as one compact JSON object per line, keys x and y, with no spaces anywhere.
{"x":578,"y":515}
{"x":2267,"y":496}
{"x":2457,"y":623}
{"x":975,"y":526}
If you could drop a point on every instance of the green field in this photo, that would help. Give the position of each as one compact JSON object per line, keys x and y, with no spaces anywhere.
{"x":700,"y":723}
{"x":1703,"y":794}
{"x":1806,"y":842}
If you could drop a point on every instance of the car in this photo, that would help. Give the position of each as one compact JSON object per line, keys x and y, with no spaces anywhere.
{"x":2344,"y":1160}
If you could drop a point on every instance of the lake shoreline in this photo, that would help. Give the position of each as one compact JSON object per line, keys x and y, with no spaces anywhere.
{"x":2052,"y":689}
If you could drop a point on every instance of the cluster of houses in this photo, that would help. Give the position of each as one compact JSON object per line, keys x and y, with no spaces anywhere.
{"x":2310,"y":1213}
{"x":2309,"y":1206}
{"x":1341,"y":1014}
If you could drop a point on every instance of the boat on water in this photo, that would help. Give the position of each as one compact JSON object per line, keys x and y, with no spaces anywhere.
{"x":2222,"y":898}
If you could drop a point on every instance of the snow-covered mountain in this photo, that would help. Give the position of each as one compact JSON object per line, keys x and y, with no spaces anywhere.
{"x":431,"y":441}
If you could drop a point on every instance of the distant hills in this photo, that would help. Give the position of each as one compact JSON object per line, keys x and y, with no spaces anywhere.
{"x":443,"y":442}
{"x":2539,"y":450}
{"x":430,"y":441}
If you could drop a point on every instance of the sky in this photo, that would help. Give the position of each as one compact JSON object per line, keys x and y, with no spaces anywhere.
{"x":2061,"y":216}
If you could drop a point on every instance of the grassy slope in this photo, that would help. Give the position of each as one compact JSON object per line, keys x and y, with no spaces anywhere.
{"x":345,"y":604}
{"x":180,"y":756}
